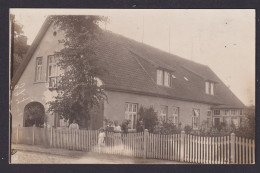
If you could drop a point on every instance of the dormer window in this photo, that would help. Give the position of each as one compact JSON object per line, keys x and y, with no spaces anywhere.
{"x":167,"y":79}
{"x":163,"y":78}
{"x":159,"y":77}
{"x":209,"y":88}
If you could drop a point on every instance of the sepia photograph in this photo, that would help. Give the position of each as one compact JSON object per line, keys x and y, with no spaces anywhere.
{"x":132,"y":86}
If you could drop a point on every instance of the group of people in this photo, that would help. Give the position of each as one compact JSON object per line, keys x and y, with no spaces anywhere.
{"x":101,"y":137}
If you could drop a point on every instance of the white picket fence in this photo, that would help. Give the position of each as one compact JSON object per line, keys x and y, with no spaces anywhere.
{"x":178,"y":147}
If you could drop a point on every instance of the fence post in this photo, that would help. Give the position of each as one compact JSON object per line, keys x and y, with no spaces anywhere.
{"x":145,"y":142}
{"x":33,"y":134}
{"x":182,"y":148}
{"x":232,"y":146}
{"x":51,"y":138}
{"x":17,"y":130}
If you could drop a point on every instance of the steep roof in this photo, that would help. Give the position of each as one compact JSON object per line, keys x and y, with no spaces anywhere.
{"x":132,"y":68}
{"x":30,"y":52}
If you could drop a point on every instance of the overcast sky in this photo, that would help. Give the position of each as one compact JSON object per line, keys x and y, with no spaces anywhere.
{"x":222,"y":39}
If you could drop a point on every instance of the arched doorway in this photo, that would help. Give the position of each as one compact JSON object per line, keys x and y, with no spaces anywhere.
{"x":34,"y":114}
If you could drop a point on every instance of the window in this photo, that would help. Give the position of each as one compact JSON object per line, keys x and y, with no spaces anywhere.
{"x":53,"y":70}
{"x":131,"y":114}
{"x":163,"y":78}
{"x":233,"y":112}
{"x":38,"y":74}
{"x":216,"y":122}
{"x":209,"y":113}
{"x":226,"y":112}
{"x":167,"y":79}
{"x":159,"y":77}
{"x":212,"y":88}
{"x":216,"y":112}
{"x":195,"y":118}
{"x":163,"y":113}
{"x":174,"y":116}
{"x":209,"y":118}
{"x":209,"y":88}
{"x":241,"y":112}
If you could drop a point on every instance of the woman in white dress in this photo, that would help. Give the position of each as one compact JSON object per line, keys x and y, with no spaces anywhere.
{"x":117,"y":130}
{"x":101,"y":139}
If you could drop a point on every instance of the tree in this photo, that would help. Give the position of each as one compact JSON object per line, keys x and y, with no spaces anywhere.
{"x":19,"y":45}
{"x":247,"y":127}
{"x":78,"y":86}
{"x":148,"y":117}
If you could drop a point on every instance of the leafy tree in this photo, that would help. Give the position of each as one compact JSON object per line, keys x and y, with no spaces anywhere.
{"x":78,"y":87}
{"x":148,"y":117}
{"x":247,"y":127}
{"x":19,"y":45}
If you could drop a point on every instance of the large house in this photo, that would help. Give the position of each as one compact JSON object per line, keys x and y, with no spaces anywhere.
{"x":178,"y":89}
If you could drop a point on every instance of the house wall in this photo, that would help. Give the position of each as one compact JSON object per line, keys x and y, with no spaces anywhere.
{"x":27,"y":90}
{"x":115,"y":108}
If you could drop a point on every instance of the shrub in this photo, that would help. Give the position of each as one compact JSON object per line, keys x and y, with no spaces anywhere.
{"x":247,"y":127}
{"x":140,"y":126}
{"x":148,"y":117}
{"x":188,"y":129}
{"x":124,"y":126}
{"x":166,"y":127}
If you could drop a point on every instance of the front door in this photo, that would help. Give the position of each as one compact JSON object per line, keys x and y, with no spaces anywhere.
{"x":217,"y":122}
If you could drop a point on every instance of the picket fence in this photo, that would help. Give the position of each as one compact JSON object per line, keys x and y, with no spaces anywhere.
{"x":177,"y":147}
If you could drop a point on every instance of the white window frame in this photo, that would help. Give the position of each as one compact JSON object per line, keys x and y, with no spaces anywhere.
{"x":53,"y":76}
{"x":209,"y":88}
{"x":174,"y":117}
{"x":195,"y":118}
{"x":214,"y":120}
{"x":226,"y":112}
{"x":131,"y":114}
{"x":214,"y":112}
{"x":209,"y":118}
{"x":167,"y":79}
{"x":159,"y":77}
{"x":38,"y":72}
{"x":163,"y":113}
{"x":233,"y":112}
{"x":164,"y":77}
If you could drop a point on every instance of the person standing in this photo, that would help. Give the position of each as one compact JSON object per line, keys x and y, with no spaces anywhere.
{"x":73,"y":129}
{"x":101,"y":139}
{"x":117,"y":135}
{"x":74,"y":125}
{"x":117,"y":128}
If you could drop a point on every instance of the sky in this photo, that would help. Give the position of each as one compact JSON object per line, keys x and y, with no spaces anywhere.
{"x":222,"y":39}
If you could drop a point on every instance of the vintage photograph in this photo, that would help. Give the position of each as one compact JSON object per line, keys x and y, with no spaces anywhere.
{"x":121,"y":86}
